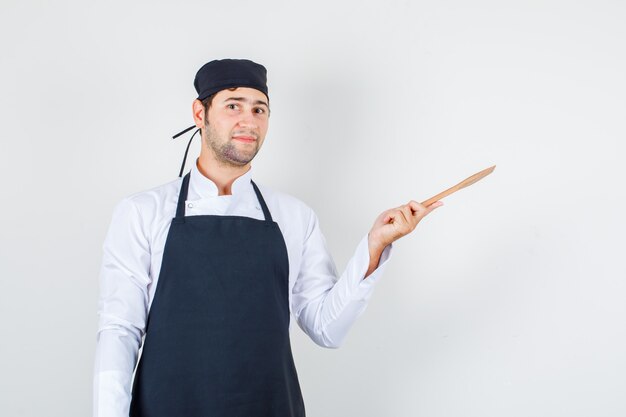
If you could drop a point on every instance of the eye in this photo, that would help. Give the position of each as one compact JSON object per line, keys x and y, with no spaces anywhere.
{"x":231,"y":106}
{"x":259,"y":110}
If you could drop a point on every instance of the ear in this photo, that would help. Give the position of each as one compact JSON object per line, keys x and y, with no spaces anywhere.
{"x":198,"y":113}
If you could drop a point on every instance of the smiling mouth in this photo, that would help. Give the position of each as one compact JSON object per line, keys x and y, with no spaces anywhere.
{"x":246,"y":139}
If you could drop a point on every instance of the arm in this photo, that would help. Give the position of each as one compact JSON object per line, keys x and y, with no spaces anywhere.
{"x":375,"y":252}
{"x":325,"y":305}
{"x":122,"y":310}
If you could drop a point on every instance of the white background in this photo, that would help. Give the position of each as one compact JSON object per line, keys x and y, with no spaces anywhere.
{"x":508,"y":301}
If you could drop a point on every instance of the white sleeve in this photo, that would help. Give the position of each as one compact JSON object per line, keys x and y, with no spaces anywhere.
{"x":122,"y":310}
{"x":325,"y":305}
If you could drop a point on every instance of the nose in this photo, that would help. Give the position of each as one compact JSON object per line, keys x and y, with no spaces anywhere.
{"x":248,"y":121}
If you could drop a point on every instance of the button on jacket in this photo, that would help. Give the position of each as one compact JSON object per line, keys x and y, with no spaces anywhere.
{"x":324,"y":304}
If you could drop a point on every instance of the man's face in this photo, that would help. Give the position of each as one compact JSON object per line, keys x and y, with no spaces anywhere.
{"x":235,"y":125}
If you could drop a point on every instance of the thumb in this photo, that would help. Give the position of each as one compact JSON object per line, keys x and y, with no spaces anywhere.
{"x":434,"y":205}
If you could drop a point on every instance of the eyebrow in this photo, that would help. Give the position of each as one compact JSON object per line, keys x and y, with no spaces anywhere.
{"x":246,"y":100}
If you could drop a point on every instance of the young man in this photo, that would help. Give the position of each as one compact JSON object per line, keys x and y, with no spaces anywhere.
{"x":210,"y":268}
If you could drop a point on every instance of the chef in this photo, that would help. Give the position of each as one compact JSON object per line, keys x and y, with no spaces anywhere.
{"x":206,"y":271}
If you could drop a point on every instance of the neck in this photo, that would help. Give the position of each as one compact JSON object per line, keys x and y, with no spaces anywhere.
{"x":223,"y":175}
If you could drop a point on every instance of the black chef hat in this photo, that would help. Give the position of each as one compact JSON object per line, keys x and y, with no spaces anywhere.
{"x":220,"y":74}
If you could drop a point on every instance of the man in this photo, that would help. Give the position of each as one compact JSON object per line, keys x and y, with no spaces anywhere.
{"x":210,"y":268}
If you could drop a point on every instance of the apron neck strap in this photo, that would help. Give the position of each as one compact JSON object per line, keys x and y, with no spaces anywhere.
{"x":182,"y":196}
{"x":266,"y":211}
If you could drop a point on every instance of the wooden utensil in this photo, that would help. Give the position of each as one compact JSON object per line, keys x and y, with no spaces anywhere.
{"x":466,"y":182}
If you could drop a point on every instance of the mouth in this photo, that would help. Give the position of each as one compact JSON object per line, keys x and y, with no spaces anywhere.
{"x":246,"y":139}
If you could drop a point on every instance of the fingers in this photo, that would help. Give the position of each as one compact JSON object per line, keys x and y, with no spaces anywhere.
{"x":420,"y":210}
{"x":394,"y":223}
{"x":416,"y":207}
{"x":404,"y":218}
{"x":409,"y":214}
{"x":409,"y":218}
{"x":434,"y":206}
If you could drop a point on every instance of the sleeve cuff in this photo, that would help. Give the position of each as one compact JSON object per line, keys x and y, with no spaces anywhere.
{"x":364,"y":286}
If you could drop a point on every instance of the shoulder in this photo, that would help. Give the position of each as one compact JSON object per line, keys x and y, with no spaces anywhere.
{"x":295,"y":217}
{"x":147,"y":205}
{"x":284,"y":202}
{"x":159,"y":195}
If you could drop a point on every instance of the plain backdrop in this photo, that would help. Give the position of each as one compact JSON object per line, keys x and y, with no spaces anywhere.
{"x":508,"y":301}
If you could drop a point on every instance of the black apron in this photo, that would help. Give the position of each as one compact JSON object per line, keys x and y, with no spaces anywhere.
{"x":217,"y":335}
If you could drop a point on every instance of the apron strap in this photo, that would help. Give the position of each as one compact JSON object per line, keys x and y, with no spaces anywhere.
{"x":184,"y":188}
{"x":266,"y":212}
{"x":182,"y":197}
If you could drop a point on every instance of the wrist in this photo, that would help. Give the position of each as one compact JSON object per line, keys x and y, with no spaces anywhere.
{"x":375,"y":244}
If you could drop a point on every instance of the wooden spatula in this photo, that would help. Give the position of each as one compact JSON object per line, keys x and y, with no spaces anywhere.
{"x":466,"y":182}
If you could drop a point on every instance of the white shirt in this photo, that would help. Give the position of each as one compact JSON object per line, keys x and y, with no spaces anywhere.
{"x":323,"y":304}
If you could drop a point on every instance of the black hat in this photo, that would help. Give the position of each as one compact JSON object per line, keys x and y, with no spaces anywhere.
{"x":220,"y":74}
